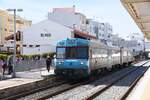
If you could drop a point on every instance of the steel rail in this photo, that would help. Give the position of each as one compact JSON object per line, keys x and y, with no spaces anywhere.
{"x":124,"y":96}
{"x":100,"y":91}
{"x":68,"y":88}
{"x":72,"y":87}
{"x":64,"y":90}
{"x":26,"y":93}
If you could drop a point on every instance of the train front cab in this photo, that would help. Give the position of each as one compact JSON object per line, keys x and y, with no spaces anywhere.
{"x":72,"y":61}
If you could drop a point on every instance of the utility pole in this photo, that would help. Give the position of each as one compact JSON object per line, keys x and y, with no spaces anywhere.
{"x":14,"y":56}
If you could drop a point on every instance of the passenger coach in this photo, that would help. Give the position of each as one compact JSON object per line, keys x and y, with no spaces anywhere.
{"x":79,"y":57}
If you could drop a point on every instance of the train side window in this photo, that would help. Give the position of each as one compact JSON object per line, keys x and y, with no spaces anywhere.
{"x":82,"y":53}
{"x":94,"y":53}
{"x":90,"y":53}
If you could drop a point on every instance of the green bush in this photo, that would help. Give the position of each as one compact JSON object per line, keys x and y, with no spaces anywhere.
{"x":4,"y":56}
{"x":44,"y":55}
{"x":6,"y":53}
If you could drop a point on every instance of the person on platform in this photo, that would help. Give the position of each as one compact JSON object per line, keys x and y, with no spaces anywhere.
{"x":48,"y":63}
{"x":10,"y":64}
{"x":4,"y":66}
{"x":1,"y":65}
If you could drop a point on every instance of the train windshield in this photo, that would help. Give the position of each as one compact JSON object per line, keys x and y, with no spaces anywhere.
{"x":61,"y":52}
{"x":72,"y":53}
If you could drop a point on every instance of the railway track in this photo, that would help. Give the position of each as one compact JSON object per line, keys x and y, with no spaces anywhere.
{"x":64,"y":86}
{"x":124,"y":95}
{"x":64,"y":89}
{"x":56,"y":81}
{"x":70,"y":86}
{"x":83,"y":95}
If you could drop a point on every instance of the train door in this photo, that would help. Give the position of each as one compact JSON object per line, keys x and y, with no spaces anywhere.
{"x":90,"y":58}
{"x":109,"y":52}
{"x":127,"y":57}
{"x":121,"y":56}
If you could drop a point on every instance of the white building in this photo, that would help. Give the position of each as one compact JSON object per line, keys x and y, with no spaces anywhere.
{"x":92,"y":27}
{"x":132,"y":44}
{"x":43,"y":36}
{"x":102,"y":31}
{"x":68,"y":17}
{"x":105,"y":31}
{"x":61,"y":23}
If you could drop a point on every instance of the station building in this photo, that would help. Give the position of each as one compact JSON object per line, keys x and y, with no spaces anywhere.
{"x":61,"y":23}
{"x":43,"y":36}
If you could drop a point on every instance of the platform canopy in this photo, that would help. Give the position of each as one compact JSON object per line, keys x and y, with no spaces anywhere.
{"x":140,"y":12}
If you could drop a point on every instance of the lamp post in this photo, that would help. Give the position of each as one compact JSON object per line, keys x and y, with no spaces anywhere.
{"x":144,"y":44}
{"x":14,"y":56}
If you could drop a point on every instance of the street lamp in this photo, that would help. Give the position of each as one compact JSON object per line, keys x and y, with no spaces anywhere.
{"x":14,"y":56}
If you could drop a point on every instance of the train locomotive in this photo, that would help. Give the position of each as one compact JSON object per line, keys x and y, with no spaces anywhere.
{"x":80,"y":58}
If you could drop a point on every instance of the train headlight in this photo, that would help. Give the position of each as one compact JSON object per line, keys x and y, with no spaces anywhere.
{"x":81,"y":63}
{"x":61,"y":62}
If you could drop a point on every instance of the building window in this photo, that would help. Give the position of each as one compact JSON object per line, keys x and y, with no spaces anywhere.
{"x":96,"y":30}
{"x":30,"y":45}
{"x":42,"y":35}
{"x":87,"y":21}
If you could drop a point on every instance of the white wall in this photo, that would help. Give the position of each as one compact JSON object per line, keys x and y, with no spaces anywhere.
{"x":104,"y":29}
{"x":92,"y":25}
{"x":32,"y":36}
{"x":38,"y":50}
{"x":70,"y":19}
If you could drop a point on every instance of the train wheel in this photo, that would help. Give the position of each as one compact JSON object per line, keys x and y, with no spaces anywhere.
{"x":57,"y":72}
{"x":104,"y":71}
{"x":119,"y":66}
{"x":109,"y":69}
{"x":129,"y":63}
{"x":113,"y":68}
{"x":95,"y":72}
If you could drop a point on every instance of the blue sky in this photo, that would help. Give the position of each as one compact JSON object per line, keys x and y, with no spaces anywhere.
{"x":110,"y":11}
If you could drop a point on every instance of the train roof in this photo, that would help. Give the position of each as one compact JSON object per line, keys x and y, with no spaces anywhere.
{"x":69,"y":42}
{"x":73,"y":42}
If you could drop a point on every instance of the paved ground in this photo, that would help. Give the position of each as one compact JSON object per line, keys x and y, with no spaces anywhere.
{"x":31,"y":74}
{"x":31,"y":77}
{"x":34,"y":74}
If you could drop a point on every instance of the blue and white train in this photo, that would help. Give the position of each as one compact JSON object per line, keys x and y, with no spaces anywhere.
{"x":80,"y":58}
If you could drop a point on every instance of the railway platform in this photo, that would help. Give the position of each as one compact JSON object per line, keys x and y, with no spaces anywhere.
{"x":25,"y":81}
{"x":142,"y":89}
{"x":35,"y":73}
